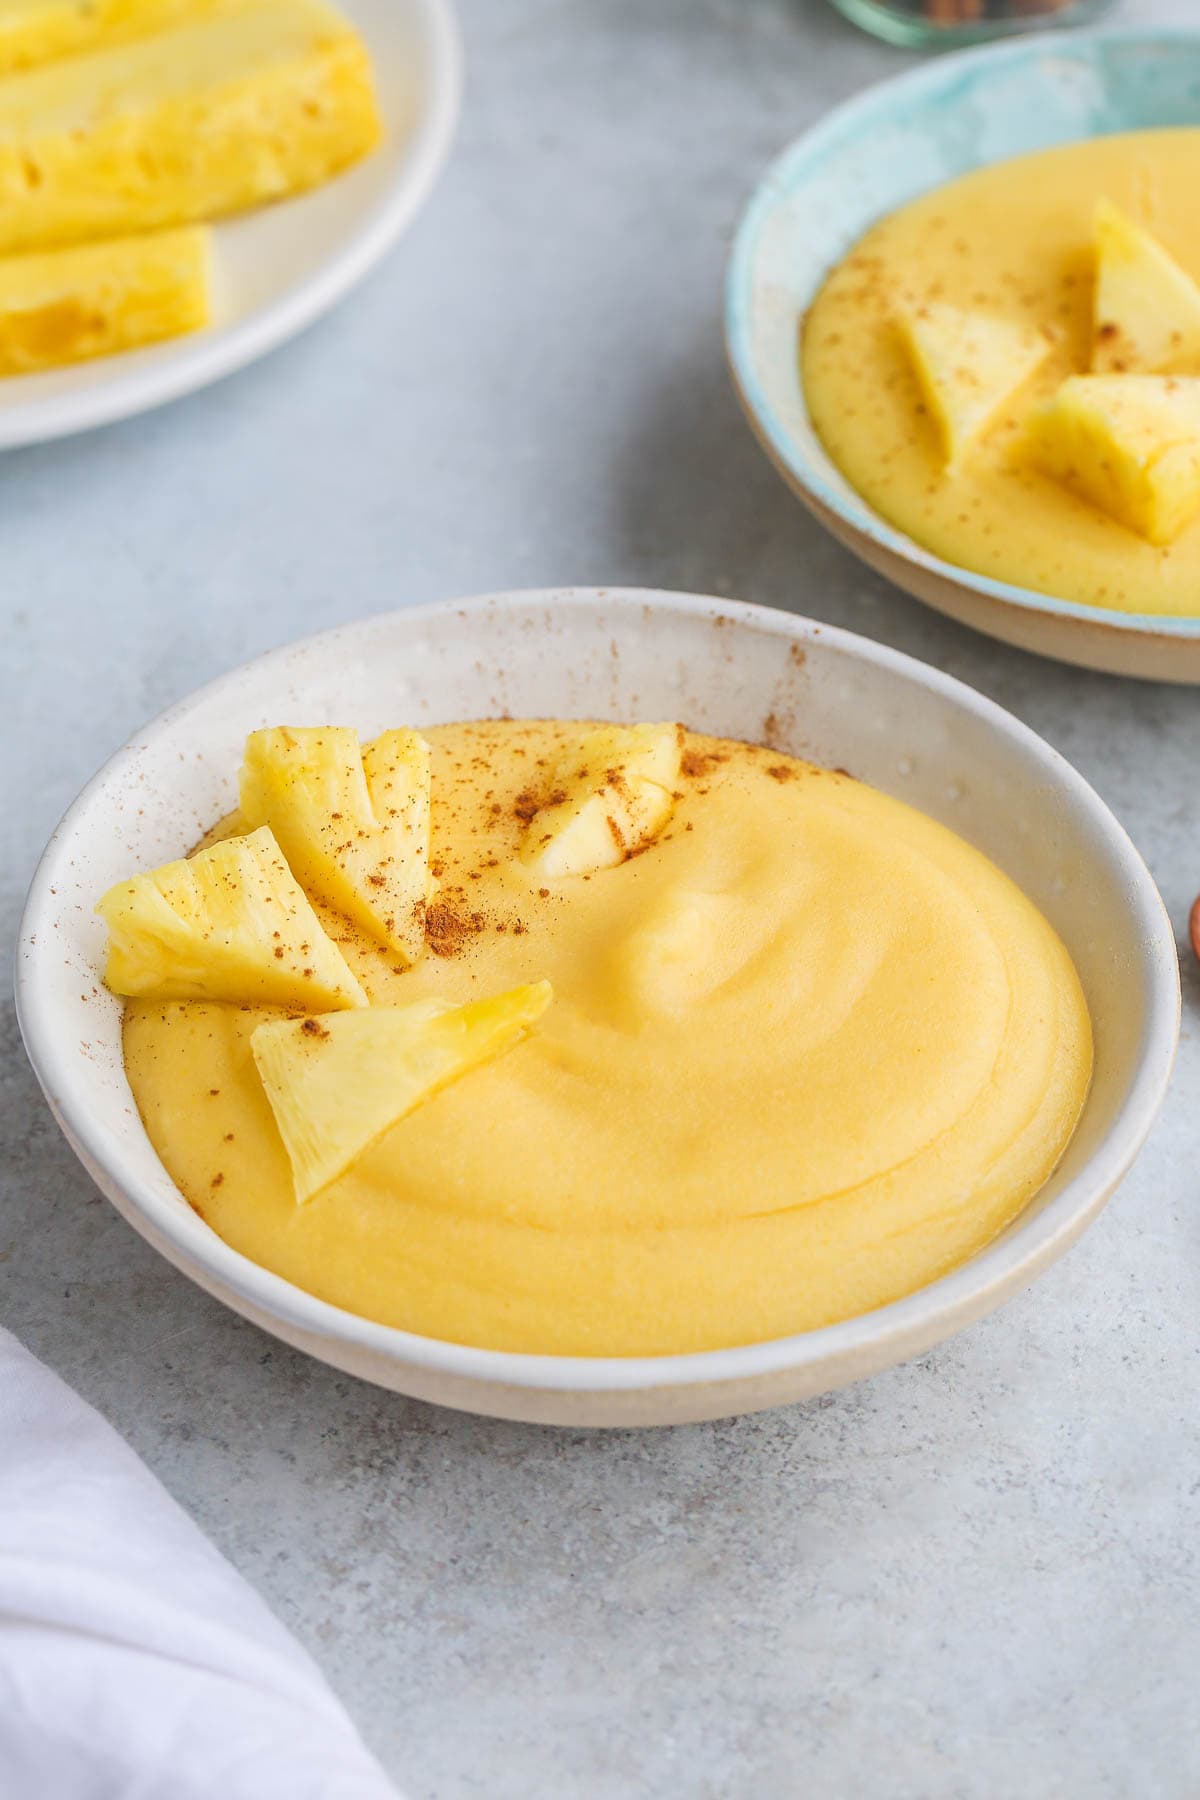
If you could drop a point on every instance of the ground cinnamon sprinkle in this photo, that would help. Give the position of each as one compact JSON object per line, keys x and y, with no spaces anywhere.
{"x":448,"y":928}
{"x":699,"y":762}
{"x":781,"y":772}
{"x":313,"y":1028}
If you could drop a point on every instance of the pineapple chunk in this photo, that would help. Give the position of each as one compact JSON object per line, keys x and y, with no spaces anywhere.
{"x":968,"y":365}
{"x":1129,"y":444}
{"x":610,"y":796}
{"x":227,"y":924}
{"x":62,"y":306}
{"x":217,"y":115}
{"x":337,"y":1084}
{"x":36,"y":31}
{"x":353,"y":823}
{"x":1147,"y":309}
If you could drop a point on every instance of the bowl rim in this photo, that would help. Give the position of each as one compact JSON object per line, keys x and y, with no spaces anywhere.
{"x":845,"y":121}
{"x":1018,"y":1255}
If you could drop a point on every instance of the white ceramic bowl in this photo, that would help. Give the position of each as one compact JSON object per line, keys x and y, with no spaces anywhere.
{"x":278,"y":268}
{"x":865,"y":159}
{"x":737,"y":670}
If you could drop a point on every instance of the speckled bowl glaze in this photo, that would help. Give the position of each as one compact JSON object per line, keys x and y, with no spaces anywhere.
{"x":736,"y":670}
{"x":866,"y":159}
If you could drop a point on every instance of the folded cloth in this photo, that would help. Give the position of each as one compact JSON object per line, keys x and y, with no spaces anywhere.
{"x":135,"y":1664}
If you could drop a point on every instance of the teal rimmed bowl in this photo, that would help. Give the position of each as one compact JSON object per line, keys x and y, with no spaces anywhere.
{"x":867,"y":158}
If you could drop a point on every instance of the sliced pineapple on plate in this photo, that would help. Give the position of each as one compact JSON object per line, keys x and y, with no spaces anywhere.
{"x":336,"y":1084}
{"x":353,"y":823}
{"x":609,"y":796}
{"x":36,"y":31}
{"x":64,"y":306}
{"x":231,"y":924}
{"x":220,"y":113}
{"x":968,"y":365}
{"x":1129,"y":444}
{"x":1147,"y":308}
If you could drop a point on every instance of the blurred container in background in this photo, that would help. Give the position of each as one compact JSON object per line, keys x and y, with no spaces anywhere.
{"x":945,"y":24}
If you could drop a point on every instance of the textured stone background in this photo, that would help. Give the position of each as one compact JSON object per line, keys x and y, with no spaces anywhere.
{"x":975,"y":1576}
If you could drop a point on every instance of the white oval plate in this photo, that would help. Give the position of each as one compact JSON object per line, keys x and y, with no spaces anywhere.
{"x":742,"y":671}
{"x":278,"y":269}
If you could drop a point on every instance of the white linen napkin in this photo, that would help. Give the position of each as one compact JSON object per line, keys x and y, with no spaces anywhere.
{"x":135,"y":1663}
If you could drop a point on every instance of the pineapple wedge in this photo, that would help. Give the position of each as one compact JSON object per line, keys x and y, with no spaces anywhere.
{"x":610,"y":796}
{"x":968,"y":365}
{"x":1147,"y":309}
{"x":63,"y":306}
{"x":337,"y":1084}
{"x":353,"y":823}
{"x":36,"y":31}
{"x":219,"y":114}
{"x":1129,"y":444}
{"x":227,"y":924}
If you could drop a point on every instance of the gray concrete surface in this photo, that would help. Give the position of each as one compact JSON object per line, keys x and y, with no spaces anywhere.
{"x":974,"y":1576}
